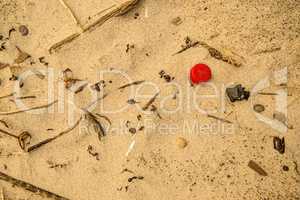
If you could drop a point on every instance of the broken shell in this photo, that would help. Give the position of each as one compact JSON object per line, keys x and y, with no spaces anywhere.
{"x":258,"y":108}
{"x":181,"y":142}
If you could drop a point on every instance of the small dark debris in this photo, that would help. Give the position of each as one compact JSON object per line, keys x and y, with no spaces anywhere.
{"x":10,"y":31}
{"x":23,"y":30}
{"x":237,"y":93}
{"x":13,"y":78}
{"x":135,"y":177}
{"x":1,"y":37}
{"x":285,"y":168}
{"x":136,"y":15}
{"x":141,"y":128}
{"x":166,"y":76}
{"x":92,"y":152}
{"x":139,"y":117}
{"x":254,"y":166}
{"x":131,"y":101}
{"x":98,"y":86}
{"x":176,"y":21}
{"x":258,"y":108}
{"x":132,"y":130}
{"x":128,"y":47}
{"x":279,"y":144}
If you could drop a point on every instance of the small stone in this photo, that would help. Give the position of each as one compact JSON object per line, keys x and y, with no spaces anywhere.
{"x":176,"y":21}
{"x":181,"y":142}
{"x":23,"y":30}
{"x":258,"y":108}
{"x":285,"y":168}
{"x":132,"y":130}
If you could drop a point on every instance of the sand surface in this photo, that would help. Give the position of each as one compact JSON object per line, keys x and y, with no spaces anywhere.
{"x":261,"y":35}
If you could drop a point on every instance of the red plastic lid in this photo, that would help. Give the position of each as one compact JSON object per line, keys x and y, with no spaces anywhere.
{"x":200,"y":73}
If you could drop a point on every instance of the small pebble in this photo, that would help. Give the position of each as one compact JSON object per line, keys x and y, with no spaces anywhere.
{"x":132,"y":130}
{"x":258,"y":108}
{"x":181,"y":142}
{"x":176,"y":21}
{"x":285,"y":168}
{"x":23,"y":30}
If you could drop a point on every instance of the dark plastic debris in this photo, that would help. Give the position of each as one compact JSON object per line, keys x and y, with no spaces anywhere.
{"x":279,"y":144}
{"x":237,"y":93}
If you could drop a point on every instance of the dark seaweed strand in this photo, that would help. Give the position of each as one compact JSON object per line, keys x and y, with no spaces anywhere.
{"x":150,"y":101}
{"x":38,"y":145}
{"x":30,"y":187}
{"x":130,"y":84}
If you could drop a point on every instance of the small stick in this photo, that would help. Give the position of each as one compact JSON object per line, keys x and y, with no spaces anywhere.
{"x":130,"y":84}
{"x":42,"y":143}
{"x":29,"y":187}
{"x":271,"y":50}
{"x":254,"y":166}
{"x":267,"y":93}
{"x":4,"y":123}
{"x":92,"y":103}
{"x":187,"y":47}
{"x":9,"y":95}
{"x":28,"y":109}
{"x":26,"y":97}
{"x":71,"y":12}
{"x":150,"y":101}
{"x":119,"y":10}
{"x":220,"y":119}
{"x":9,"y":134}
{"x":59,"y":45}
{"x":104,"y":117}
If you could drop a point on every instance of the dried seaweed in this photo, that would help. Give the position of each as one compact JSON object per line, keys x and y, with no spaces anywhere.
{"x":28,"y":109}
{"x":96,"y":125}
{"x":188,"y":44}
{"x":220,"y":119}
{"x":220,"y":56}
{"x":130,"y":84}
{"x":42,"y":143}
{"x":150,"y":101}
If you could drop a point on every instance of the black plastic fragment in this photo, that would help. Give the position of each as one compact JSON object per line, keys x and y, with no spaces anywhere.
{"x":279,"y":144}
{"x":237,"y":93}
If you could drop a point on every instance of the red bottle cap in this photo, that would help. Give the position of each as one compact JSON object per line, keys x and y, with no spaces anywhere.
{"x":200,"y":73}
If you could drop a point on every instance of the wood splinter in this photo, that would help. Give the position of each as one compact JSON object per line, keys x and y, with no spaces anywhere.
{"x":42,"y":143}
{"x":30,"y":187}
